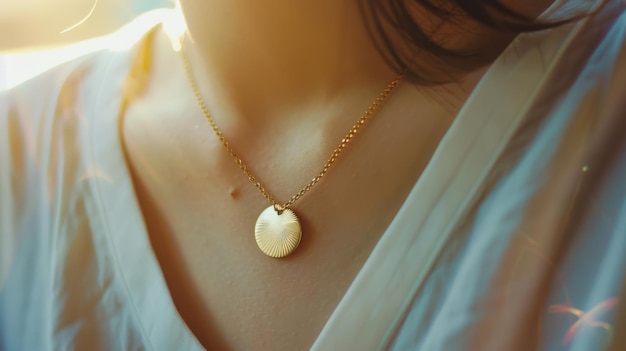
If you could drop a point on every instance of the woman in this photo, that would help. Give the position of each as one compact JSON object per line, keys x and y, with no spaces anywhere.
{"x":478,"y":205}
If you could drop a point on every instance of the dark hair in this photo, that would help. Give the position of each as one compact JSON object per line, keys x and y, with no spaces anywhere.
{"x":410,"y":48}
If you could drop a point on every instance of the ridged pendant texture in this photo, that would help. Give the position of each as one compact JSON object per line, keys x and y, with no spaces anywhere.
{"x":277,"y":235}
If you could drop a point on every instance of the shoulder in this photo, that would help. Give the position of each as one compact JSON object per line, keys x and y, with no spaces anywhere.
{"x":48,"y":211}
{"x":94,"y":65}
{"x":71,"y":92}
{"x":46,"y":125}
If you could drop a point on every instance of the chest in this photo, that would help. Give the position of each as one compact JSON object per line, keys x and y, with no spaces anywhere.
{"x":231,"y":294}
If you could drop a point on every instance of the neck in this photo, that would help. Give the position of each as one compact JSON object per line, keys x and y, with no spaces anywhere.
{"x":272,"y":59}
{"x":260,"y":56}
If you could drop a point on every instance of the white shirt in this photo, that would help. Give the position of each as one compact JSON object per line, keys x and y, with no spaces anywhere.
{"x":513,"y":238}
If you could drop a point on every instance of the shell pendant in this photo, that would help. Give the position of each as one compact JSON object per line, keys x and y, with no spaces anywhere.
{"x":277,"y":234}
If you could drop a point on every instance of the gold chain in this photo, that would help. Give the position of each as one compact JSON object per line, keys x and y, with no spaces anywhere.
{"x":367,"y":115}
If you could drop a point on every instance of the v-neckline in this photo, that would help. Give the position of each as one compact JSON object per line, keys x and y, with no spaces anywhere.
{"x":412,"y":241}
{"x":444,"y":193}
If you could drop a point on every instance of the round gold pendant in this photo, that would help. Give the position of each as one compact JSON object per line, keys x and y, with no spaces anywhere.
{"x":277,"y":235}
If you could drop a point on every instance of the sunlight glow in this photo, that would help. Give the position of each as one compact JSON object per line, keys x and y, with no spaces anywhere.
{"x":19,"y":67}
{"x":175,"y":27}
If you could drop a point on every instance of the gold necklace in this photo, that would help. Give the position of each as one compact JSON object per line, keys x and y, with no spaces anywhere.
{"x":277,"y":231}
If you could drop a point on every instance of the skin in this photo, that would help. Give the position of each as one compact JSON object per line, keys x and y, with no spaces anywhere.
{"x":284,"y":81}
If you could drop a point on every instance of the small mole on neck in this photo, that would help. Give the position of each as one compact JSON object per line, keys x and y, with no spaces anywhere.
{"x":234,"y":193}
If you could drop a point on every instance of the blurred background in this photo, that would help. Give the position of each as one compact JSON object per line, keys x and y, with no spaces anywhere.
{"x":35,"y":32}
